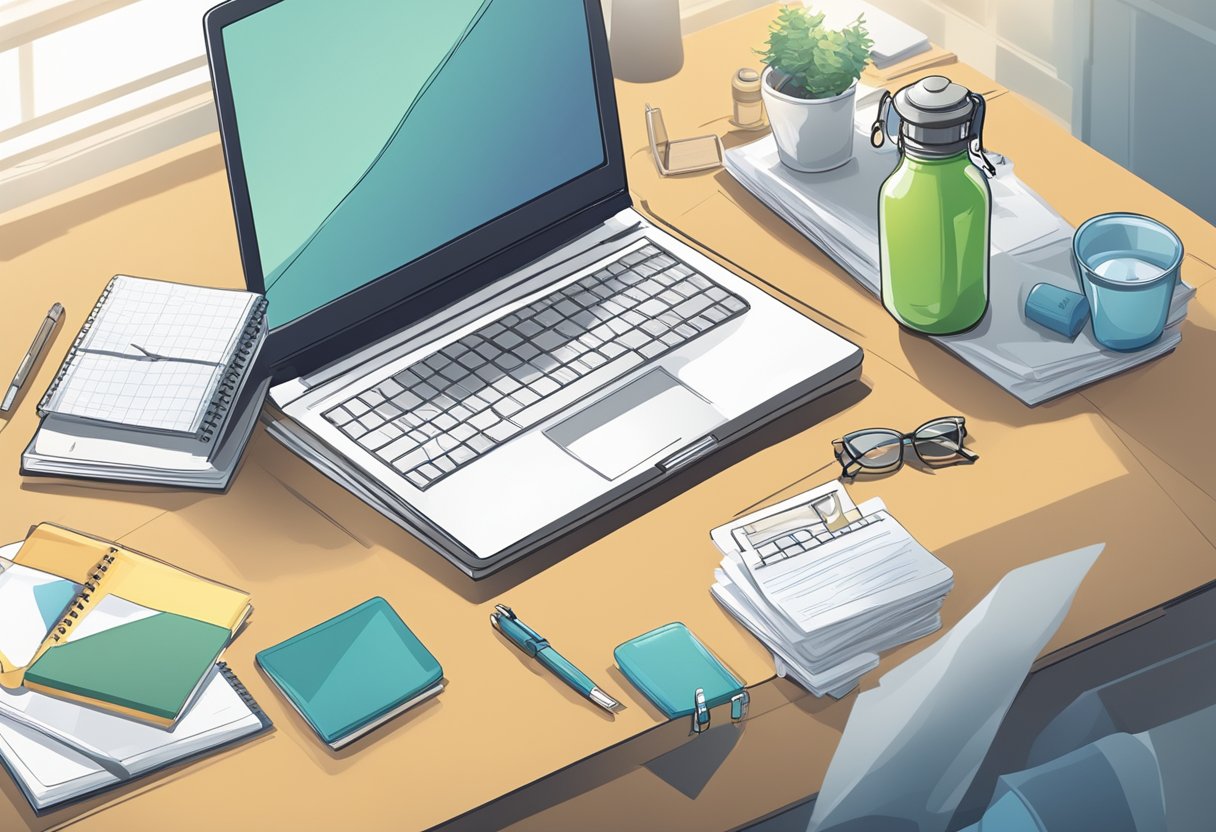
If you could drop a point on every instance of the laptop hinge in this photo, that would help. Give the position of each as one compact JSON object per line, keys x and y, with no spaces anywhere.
{"x":688,"y":453}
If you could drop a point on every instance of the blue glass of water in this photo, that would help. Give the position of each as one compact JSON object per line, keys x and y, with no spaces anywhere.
{"x":1127,"y":265}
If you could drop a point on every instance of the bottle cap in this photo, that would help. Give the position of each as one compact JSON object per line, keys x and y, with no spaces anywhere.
{"x":935,"y":102}
{"x":939,"y":117}
{"x":746,"y":80}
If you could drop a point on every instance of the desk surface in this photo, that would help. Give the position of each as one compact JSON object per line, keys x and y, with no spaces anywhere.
{"x":1119,"y":462}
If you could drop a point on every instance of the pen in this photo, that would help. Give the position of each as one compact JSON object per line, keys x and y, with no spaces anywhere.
{"x":528,"y":640}
{"x":31,"y":357}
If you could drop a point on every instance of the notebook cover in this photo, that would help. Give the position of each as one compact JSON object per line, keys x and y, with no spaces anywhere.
{"x":204,"y":338}
{"x":140,"y":636}
{"x":668,"y":665}
{"x":263,"y":719}
{"x":352,"y":669}
{"x":148,"y":667}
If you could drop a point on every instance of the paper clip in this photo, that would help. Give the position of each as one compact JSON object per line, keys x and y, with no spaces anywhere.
{"x":738,"y":705}
{"x":700,"y":712}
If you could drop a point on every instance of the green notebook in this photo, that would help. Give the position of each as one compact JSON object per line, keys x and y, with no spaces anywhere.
{"x":353,"y":672}
{"x":90,"y":621}
{"x":669,"y":665}
{"x":113,"y":665}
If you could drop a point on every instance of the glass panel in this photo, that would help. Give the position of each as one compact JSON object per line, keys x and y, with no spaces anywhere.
{"x":10,"y":90}
{"x":875,"y":448}
{"x":116,"y":48}
{"x":423,"y":121}
{"x":939,"y":440}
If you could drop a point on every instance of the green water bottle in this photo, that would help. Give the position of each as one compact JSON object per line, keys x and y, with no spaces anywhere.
{"x":934,"y":210}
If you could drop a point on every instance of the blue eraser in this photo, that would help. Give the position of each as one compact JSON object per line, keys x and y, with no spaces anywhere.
{"x":1057,"y":309}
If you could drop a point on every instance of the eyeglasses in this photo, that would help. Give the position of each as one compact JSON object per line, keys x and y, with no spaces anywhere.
{"x":880,"y":450}
{"x":681,"y":155}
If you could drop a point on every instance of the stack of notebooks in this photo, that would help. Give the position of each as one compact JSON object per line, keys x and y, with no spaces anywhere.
{"x":157,"y":388}
{"x":828,"y":585}
{"x":109,"y":665}
{"x":1031,"y":244}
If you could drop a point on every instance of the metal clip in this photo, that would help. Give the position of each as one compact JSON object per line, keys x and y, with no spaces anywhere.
{"x":738,"y":705}
{"x":976,"y":146}
{"x":878,"y":132}
{"x":700,"y":712}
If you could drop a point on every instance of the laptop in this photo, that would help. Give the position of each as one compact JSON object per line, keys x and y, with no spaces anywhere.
{"x":471,"y":327}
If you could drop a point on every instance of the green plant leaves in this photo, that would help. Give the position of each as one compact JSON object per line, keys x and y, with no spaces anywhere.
{"x":819,"y":62}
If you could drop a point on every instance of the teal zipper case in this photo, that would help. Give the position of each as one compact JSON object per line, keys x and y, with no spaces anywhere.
{"x":669,"y":665}
{"x":353,"y":672}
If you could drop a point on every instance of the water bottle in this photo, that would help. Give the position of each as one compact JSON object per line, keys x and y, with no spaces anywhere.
{"x":934,"y":210}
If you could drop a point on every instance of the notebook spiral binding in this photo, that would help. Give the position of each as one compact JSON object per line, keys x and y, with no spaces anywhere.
{"x":81,"y":601}
{"x":239,"y":687}
{"x":74,"y":349}
{"x":225,"y":394}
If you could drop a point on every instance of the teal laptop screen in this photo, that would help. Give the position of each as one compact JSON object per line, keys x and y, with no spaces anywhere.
{"x":375,"y":131}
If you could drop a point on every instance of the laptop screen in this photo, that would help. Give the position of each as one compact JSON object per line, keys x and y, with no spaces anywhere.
{"x":373,"y":132}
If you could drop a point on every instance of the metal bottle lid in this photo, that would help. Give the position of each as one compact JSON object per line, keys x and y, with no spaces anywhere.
{"x":935,"y":102}
{"x":937,"y":117}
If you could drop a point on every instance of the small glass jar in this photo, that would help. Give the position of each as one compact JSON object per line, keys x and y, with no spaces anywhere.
{"x":748,"y":105}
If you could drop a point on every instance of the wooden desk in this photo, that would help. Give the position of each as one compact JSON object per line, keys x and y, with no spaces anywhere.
{"x":1120,"y":462}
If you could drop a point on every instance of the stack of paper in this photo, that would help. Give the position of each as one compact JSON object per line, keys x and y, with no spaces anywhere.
{"x":1031,"y":244}
{"x":828,"y":585}
{"x":59,"y":751}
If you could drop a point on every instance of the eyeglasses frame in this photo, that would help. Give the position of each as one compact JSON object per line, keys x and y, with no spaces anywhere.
{"x":961,"y":455}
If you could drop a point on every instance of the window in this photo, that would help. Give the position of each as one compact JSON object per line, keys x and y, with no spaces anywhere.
{"x":129,"y":76}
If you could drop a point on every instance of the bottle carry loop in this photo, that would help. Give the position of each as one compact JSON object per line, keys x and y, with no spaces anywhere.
{"x":976,"y":146}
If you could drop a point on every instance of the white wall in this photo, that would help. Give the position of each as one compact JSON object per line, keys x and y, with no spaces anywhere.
{"x":1031,"y":46}
{"x":1034,"y":47}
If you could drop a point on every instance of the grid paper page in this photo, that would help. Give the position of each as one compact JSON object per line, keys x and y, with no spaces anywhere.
{"x":138,"y":392}
{"x":170,"y":320}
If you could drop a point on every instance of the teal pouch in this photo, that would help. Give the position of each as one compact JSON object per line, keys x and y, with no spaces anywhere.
{"x":669,"y":666}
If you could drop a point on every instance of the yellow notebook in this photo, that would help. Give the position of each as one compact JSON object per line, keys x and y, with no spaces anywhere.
{"x":97,"y":623}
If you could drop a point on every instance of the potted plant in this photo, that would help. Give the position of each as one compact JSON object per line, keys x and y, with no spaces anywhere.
{"x":810,"y":85}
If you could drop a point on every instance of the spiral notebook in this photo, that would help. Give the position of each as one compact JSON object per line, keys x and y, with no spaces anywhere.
{"x":157,"y":388}
{"x":95,"y":623}
{"x":159,"y":356}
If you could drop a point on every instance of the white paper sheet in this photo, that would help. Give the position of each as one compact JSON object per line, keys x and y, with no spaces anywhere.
{"x":826,"y":613}
{"x":22,"y":625}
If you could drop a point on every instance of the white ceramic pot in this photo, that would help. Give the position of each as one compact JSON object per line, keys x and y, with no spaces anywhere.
{"x":813,"y":134}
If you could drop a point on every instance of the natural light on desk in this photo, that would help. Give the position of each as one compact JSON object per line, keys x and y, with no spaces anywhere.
{"x":48,"y":105}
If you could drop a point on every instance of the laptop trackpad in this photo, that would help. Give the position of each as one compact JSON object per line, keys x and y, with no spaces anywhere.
{"x":652,"y":416}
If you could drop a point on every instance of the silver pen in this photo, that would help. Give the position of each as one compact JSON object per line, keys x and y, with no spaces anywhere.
{"x":31,"y":357}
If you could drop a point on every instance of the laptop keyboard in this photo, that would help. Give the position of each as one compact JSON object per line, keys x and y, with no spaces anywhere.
{"x":443,"y":412}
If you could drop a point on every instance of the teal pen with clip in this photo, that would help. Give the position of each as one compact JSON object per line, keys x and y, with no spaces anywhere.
{"x":531,"y":642}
